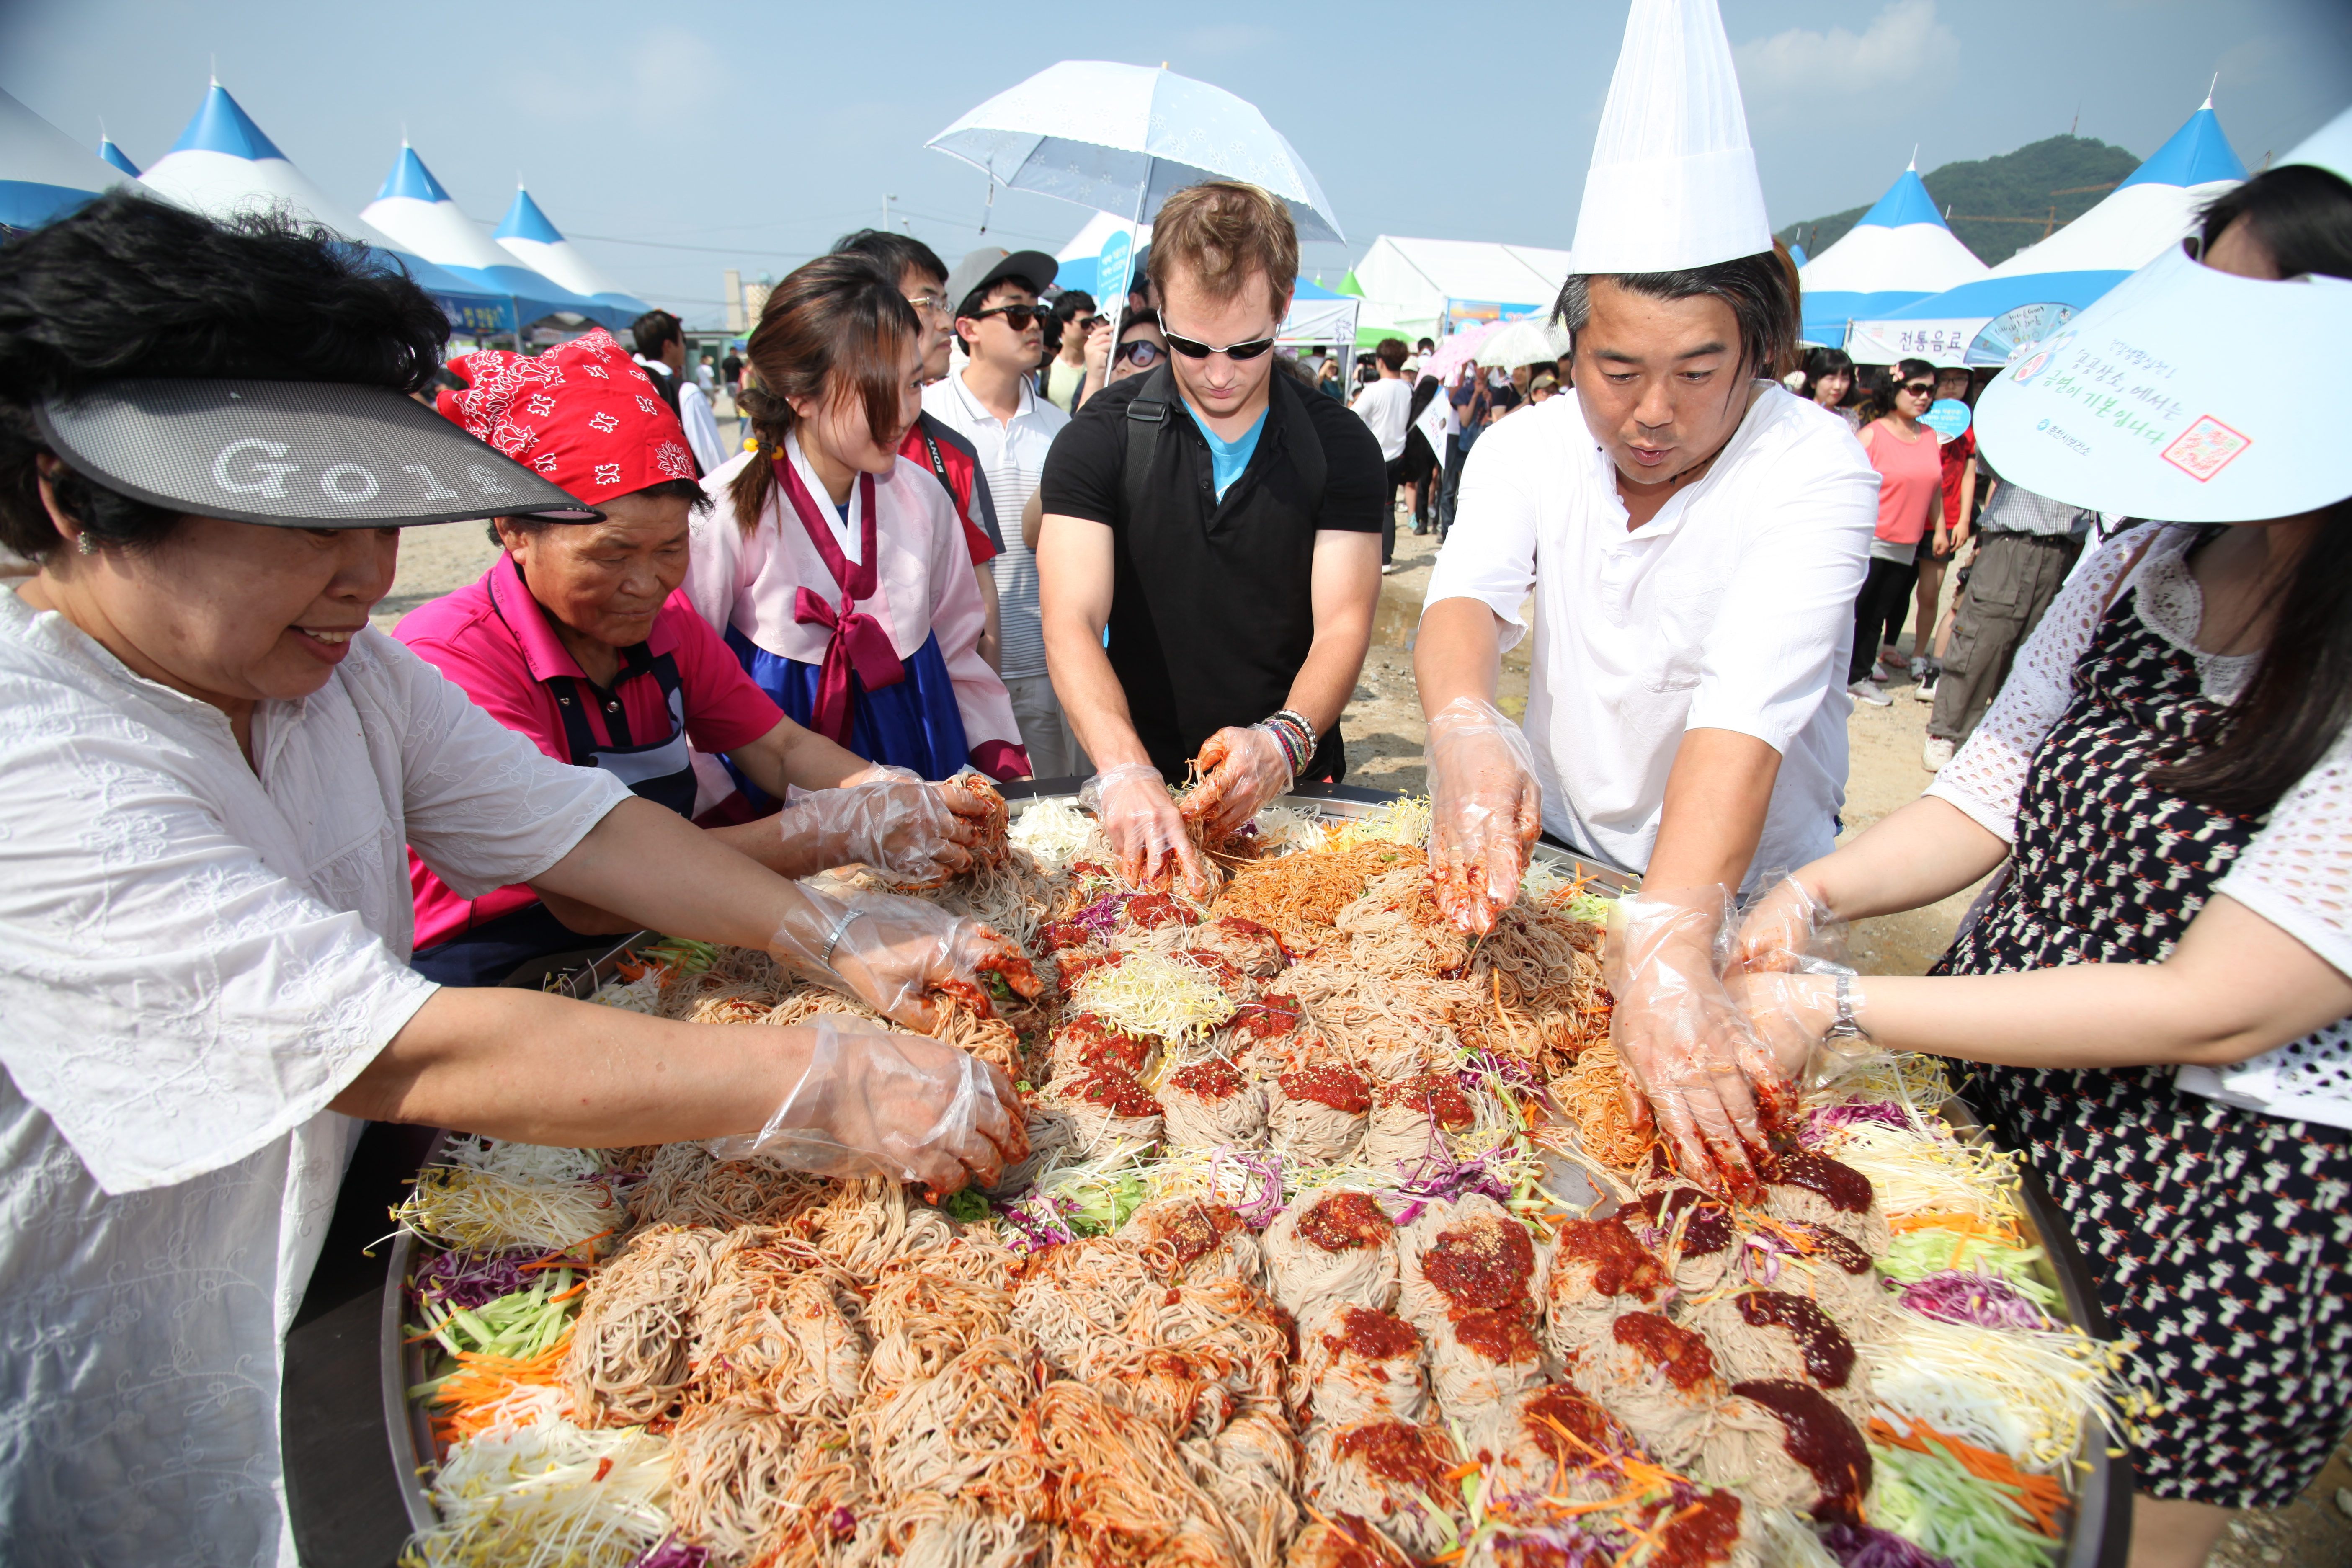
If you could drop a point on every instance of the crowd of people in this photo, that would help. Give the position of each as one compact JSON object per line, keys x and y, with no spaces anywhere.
{"x":268,"y":864}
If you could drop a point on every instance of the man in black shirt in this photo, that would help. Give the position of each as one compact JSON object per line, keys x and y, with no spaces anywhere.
{"x":1225,"y":525}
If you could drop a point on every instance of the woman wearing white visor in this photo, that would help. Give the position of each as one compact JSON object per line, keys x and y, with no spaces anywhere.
{"x":212,"y":763}
{"x":2161,"y":973}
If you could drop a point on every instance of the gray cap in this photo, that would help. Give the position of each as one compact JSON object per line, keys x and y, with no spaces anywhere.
{"x":299,"y":454}
{"x":994,"y":264}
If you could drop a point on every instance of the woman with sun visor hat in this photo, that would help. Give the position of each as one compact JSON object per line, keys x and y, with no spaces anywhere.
{"x":576,"y":640}
{"x":214,"y":764}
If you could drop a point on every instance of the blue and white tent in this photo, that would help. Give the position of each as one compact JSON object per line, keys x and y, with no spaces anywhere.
{"x":417,"y":213}
{"x":116,"y":155}
{"x":224,"y":165}
{"x":44,"y":172}
{"x":1900,"y":253}
{"x":528,"y":235}
{"x":2151,"y":210}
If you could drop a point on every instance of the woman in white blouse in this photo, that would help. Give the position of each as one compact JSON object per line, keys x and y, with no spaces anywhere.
{"x":2162,"y":972}
{"x":213,"y":766}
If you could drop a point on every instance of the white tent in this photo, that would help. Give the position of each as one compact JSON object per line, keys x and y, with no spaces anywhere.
{"x":1899,"y":253}
{"x":1078,"y":257}
{"x":1426,"y":288}
{"x":414,"y":209}
{"x":2152,"y":209}
{"x":224,"y":165}
{"x":528,"y":235}
{"x":44,"y":173}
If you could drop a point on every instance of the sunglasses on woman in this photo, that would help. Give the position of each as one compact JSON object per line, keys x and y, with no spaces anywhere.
{"x":1918,"y":388}
{"x":1017,"y":317}
{"x":1193,"y":349}
{"x":1140,"y":353}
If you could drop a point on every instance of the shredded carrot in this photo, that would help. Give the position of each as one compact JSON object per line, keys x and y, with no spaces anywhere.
{"x":567,"y":1294}
{"x":2041,"y":1495}
{"x":564,"y":1259}
{"x":2003,"y":1232}
{"x":1458,"y":1471}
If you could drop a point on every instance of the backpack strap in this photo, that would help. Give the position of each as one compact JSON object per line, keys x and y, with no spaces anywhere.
{"x":1147,"y":416}
{"x":1305,"y":444}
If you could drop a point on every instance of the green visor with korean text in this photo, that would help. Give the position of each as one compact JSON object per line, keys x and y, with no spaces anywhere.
{"x":297,"y":454}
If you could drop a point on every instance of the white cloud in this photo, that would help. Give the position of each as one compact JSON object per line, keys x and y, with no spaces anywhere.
{"x":1904,"y":50}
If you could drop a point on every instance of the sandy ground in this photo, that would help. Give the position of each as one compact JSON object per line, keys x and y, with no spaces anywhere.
{"x":1385,"y":733}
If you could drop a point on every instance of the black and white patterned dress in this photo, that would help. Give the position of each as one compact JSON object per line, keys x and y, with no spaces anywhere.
{"x":2220,"y":1237}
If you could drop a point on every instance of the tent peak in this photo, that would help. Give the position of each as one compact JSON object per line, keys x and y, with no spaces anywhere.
{"x":222,"y":125}
{"x":2199,"y":153}
{"x":411,"y":178}
{"x":524,"y":220}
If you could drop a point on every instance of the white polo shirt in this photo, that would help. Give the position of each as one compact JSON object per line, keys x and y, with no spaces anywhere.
{"x":1013,"y":455}
{"x":1731,"y":609}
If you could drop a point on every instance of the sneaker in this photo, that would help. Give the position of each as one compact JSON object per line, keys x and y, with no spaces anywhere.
{"x":1870,"y":691}
{"x":1925,"y":670}
{"x":1936,"y":753}
{"x":1388,"y":568}
{"x":1925,"y":690}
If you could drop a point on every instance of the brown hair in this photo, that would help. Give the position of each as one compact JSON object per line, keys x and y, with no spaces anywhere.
{"x":1220,"y":232}
{"x":835,"y":328}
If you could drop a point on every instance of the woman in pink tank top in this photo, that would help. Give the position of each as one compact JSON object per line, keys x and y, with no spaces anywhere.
{"x":1910,"y":502}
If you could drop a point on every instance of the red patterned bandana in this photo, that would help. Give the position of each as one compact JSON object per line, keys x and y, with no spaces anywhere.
{"x":582,"y":414}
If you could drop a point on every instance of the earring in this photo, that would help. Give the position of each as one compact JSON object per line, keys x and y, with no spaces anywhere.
{"x":83,"y":542}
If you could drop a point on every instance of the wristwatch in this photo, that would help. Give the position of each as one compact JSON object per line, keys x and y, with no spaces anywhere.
{"x":1845,"y":1027}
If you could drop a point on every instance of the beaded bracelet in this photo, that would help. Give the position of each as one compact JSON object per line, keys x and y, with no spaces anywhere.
{"x":1293,"y":735}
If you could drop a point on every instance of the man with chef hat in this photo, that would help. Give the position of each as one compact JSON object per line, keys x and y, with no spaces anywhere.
{"x":1693,"y":534}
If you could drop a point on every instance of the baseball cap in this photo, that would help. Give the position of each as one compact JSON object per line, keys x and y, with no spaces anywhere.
{"x":296,"y":454}
{"x":985,"y":267}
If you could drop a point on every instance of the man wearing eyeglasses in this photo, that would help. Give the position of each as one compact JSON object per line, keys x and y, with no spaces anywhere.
{"x":1225,"y":524}
{"x":992,"y":403}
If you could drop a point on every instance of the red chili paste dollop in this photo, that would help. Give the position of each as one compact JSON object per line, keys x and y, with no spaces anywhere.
{"x":1680,"y":1354}
{"x":1708,"y":1229}
{"x":1338,"y":1222}
{"x":1077,"y":964}
{"x":1400,"y":1453}
{"x":1338,"y":1088}
{"x":1829,"y":1355}
{"x":1505,"y":1335}
{"x":1845,"y":1188}
{"x":1434,"y":1095}
{"x":1483,"y":1265}
{"x":1375,"y":1336}
{"x":1151,"y":910}
{"x":1699,"y":1534}
{"x":1117,"y":1092}
{"x":1621,"y":1265}
{"x":1211,"y":1080}
{"x":1562,"y":1407}
{"x":1269,"y":1018}
{"x":1818,"y":1436}
{"x":1194,"y":1229}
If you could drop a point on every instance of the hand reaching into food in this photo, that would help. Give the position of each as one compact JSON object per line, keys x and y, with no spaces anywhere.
{"x":898,"y":955}
{"x":1684,"y":1039}
{"x":1145,"y":828}
{"x":893,"y":820}
{"x":1486,"y":811}
{"x":1241,"y":769}
{"x":1786,"y":927}
{"x":871,"y":1102}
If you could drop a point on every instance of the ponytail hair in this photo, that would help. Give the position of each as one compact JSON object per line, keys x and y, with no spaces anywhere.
{"x":835,"y":328}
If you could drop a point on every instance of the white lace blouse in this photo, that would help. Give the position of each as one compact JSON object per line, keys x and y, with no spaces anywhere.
{"x":194,"y":960}
{"x":2297,"y":871}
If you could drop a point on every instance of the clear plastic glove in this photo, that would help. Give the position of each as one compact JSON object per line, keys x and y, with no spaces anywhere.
{"x":1683,"y":1038}
{"x":891,"y":819}
{"x":1787,"y":926}
{"x":1790,"y":1012}
{"x":1145,"y":829}
{"x":874,"y":1103}
{"x":1486,"y":811}
{"x":1241,"y":769}
{"x":896,"y":955}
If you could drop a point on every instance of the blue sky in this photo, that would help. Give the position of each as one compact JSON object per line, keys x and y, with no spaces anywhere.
{"x":757,"y":132}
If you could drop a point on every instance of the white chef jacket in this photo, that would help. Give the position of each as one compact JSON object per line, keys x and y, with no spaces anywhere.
{"x":1731,"y":609}
{"x":194,"y":959}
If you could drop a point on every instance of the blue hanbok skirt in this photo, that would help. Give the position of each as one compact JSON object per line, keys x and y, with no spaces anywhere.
{"x":915,"y":724}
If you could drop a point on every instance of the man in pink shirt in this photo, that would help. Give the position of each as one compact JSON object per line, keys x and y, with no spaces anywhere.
{"x":577,"y":638}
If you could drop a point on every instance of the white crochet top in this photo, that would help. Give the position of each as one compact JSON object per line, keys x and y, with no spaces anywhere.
{"x":2297,"y":871}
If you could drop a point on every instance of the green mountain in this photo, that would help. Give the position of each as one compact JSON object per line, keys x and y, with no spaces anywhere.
{"x":2026,"y":191}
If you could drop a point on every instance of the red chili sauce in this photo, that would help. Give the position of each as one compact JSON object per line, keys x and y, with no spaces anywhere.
{"x":1483,"y":1265}
{"x":1117,"y":1092}
{"x":1829,"y":1355}
{"x":1399,"y":1452}
{"x":1338,"y":1088}
{"x":1100,"y":1046}
{"x":1237,"y":926}
{"x":1835,"y":1247}
{"x":1700,"y":1534}
{"x":1434,"y":1095}
{"x":1211,"y":1080}
{"x":1151,"y":910}
{"x":1621,"y":1265}
{"x":1359,"y":1545}
{"x":1563,"y":1407}
{"x":1194,"y":1229}
{"x":1341,"y":1221}
{"x":1064,"y":934}
{"x":1818,"y":1436}
{"x":1075,"y":965}
{"x":1679,"y":1353}
{"x":1375,"y":1336}
{"x":1845,"y":1188}
{"x":1504,"y":1336}
{"x":1093,"y":870}
{"x":1269,"y":1018}
{"x":1708,"y":1229}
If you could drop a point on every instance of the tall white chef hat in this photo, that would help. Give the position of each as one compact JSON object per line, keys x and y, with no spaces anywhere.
{"x":1673,"y":183}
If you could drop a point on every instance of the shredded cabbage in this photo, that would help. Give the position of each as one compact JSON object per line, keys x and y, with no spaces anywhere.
{"x":1055,"y":831}
{"x":1915,"y":1255}
{"x":1152,"y":993}
{"x":1933,"y":1501}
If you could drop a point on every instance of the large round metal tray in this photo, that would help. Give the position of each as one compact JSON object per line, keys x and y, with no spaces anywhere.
{"x":2099,"y":1531}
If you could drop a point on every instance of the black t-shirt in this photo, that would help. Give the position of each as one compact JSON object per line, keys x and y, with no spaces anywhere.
{"x":1212,"y":609}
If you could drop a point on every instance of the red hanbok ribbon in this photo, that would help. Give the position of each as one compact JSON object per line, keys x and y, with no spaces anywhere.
{"x":858,"y":642}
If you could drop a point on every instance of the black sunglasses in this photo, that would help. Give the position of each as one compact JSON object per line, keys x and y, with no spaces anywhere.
{"x":1140,"y":353}
{"x":1017,"y":317}
{"x":1192,"y":349}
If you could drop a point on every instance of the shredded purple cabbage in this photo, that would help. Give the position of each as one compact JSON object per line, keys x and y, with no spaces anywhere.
{"x":470,"y":1279}
{"x":1439,"y":1175}
{"x":1985,"y":1300}
{"x":1520,"y":1073}
{"x":1039,"y":1222}
{"x":1866,"y":1546}
{"x":1884,"y":1113}
{"x":1102,"y":916}
{"x":669,"y":1551}
{"x":844,"y":1524}
{"x":1261,"y":1194}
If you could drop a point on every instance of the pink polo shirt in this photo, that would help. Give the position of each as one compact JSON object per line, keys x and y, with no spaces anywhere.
{"x":493,"y":639}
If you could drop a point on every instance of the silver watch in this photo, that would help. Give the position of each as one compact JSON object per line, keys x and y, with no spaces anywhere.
{"x":1845,"y":1025}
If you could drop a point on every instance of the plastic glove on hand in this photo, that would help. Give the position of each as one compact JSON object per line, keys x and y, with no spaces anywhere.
{"x":1786,"y":927}
{"x":894,"y":954}
{"x":1145,"y":829}
{"x":1681,"y":1037}
{"x":874,"y":1103}
{"x":1241,"y":769}
{"x":890,"y":819}
{"x":1791,"y":1014}
{"x":1486,"y":811}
